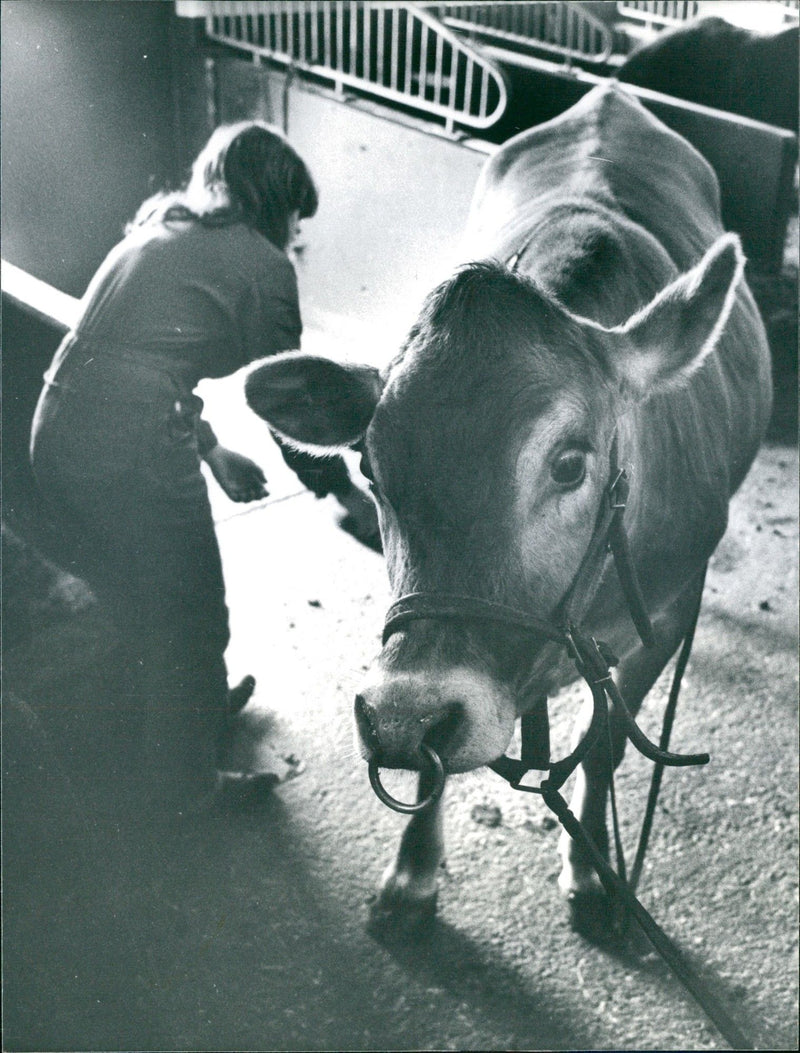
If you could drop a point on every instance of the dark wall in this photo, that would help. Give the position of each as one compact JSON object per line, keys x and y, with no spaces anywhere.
{"x":88,"y":128}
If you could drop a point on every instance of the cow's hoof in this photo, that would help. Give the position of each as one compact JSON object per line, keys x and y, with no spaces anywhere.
{"x":393,"y":919}
{"x":594,"y":915}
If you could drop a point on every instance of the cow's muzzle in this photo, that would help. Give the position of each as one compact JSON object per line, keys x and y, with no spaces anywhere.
{"x":402,"y":742}
{"x":464,"y":716}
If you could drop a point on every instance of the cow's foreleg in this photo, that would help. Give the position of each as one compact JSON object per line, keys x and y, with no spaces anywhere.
{"x":635,"y":676}
{"x":406,"y":899}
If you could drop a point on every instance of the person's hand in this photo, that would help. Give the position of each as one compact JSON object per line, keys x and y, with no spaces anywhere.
{"x":239,"y":477}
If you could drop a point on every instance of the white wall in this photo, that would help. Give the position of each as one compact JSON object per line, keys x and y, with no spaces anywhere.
{"x":393,"y":205}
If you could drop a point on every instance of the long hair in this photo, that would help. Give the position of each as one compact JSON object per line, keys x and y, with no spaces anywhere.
{"x":246,"y":173}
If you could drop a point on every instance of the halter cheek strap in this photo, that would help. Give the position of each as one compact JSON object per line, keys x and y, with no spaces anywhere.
{"x":609,"y":535}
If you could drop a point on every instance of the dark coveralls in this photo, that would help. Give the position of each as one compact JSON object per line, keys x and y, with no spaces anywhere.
{"x":116,"y":447}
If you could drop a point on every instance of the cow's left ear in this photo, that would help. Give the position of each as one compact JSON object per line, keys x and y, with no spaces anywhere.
{"x":313,"y":401}
{"x":668,"y":339}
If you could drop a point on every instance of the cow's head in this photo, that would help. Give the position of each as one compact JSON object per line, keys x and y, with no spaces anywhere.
{"x":486,"y":444}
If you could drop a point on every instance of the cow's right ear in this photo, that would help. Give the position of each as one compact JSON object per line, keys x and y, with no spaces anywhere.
{"x":314,"y":401}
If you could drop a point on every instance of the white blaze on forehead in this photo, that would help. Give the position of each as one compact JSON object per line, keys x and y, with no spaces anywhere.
{"x":553,"y":523}
{"x":567,"y":420}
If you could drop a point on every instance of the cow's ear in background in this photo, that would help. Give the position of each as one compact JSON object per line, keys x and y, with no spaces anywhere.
{"x":668,"y":339}
{"x":313,"y":401}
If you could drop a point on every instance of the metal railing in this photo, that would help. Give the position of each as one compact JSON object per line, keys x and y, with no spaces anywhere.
{"x":390,"y":50}
{"x":559,"y":28}
{"x":38,"y":298}
{"x":675,"y":12}
{"x":659,"y":12}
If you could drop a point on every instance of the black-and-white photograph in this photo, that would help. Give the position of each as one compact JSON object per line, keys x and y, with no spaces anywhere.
{"x":399,"y":525}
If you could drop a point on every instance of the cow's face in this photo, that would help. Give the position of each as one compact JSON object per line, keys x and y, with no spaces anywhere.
{"x":488,"y":453}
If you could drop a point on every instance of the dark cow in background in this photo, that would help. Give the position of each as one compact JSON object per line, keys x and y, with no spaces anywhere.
{"x":606,"y":301}
{"x":714,"y":63}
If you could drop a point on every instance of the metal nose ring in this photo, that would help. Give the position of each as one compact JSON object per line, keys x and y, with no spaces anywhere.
{"x":436,"y":773}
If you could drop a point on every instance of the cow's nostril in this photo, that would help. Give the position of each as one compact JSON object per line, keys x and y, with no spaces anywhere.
{"x":365,"y":724}
{"x":444,"y":730}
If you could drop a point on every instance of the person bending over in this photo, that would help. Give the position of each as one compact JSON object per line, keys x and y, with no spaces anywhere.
{"x":200,"y":285}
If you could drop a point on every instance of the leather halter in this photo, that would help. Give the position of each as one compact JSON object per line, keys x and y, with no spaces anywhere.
{"x":593,"y":659}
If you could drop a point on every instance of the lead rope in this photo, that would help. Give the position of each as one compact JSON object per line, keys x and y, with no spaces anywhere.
{"x":663,"y":742}
{"x":658,"y":767}
{"x":621,"y":891}
{"x":615,"y":886}
{"x":612,"y":790}
{"x":594,"y":669}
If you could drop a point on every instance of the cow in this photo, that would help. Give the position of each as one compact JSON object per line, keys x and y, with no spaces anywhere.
{"x":711,"y":62}
{"x":602,"y":314}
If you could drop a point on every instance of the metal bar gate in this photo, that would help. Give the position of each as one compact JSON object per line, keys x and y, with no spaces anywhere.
{"x":390,"y":50}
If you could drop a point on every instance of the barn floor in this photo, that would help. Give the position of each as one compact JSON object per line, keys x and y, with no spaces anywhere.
{"x":245,"y":930}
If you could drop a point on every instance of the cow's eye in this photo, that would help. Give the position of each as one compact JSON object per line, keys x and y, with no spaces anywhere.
{"x":569,"y":468}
